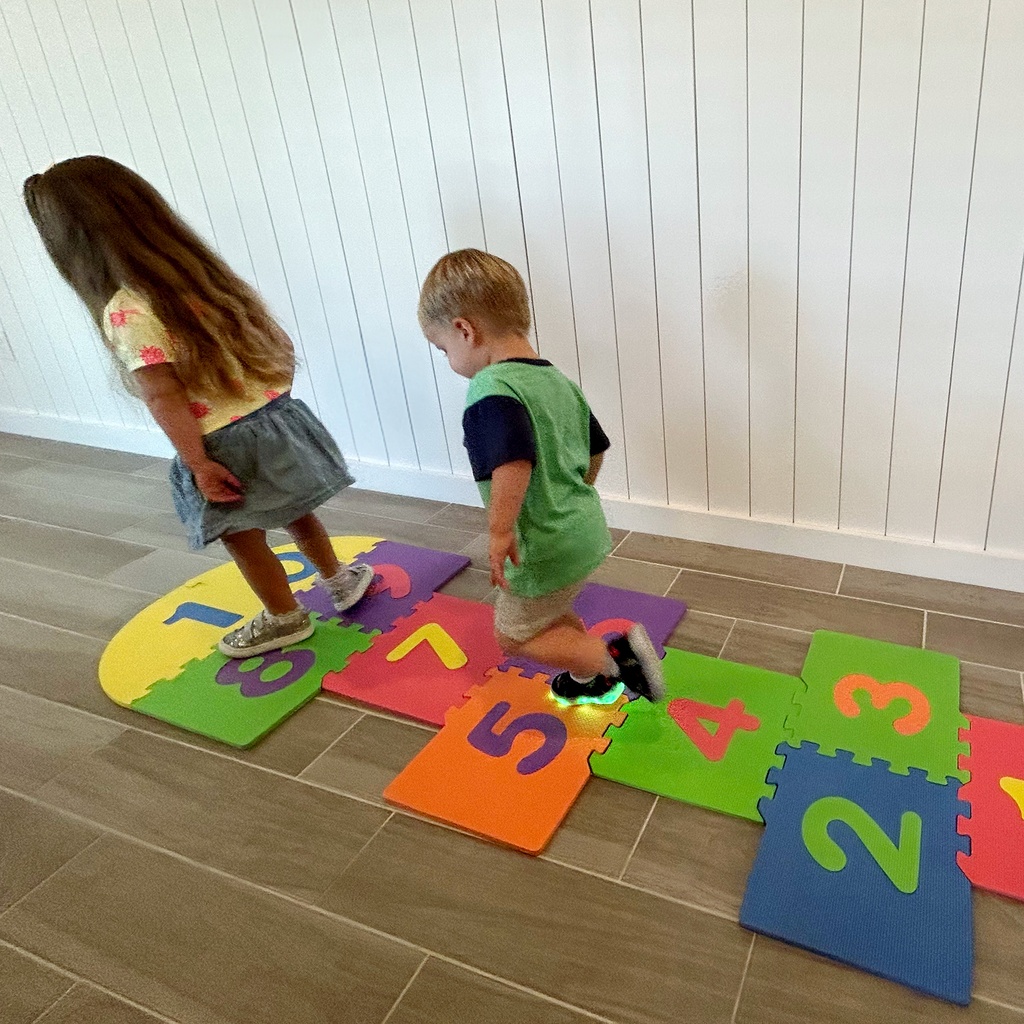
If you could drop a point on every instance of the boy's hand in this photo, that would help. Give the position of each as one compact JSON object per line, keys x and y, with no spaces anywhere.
{"x":218,"y":483}
{"x":503,"y":545}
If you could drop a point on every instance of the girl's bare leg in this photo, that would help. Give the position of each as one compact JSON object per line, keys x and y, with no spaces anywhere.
{"x":262,"y":570}
{"x":313,"y":541}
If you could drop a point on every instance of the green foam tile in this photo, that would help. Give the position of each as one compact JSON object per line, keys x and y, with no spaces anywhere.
{"x":711,"y":741}
{"x":904,"y":708}
{"x":239,"y":702}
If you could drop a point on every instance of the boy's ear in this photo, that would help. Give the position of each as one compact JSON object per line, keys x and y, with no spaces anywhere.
{"x":467,"y":329}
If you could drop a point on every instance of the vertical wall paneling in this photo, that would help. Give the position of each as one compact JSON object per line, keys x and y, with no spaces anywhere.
{"x":540,"y":187}
{"x":671,"y":134}
{"x":953,"y":55}
{"x":828,"y":147}
{"x":887,"y":117}
{"x":374,"y":131}
{"x":720,"y":36}
{"x":991,"y":280}
{"x":618,"y":59}
{"x":348,"y":208}
{"x":774,"y":40}
{"x":578,"y":143}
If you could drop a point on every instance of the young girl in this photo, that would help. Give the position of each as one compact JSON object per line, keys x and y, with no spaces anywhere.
{"x":197,"y":344}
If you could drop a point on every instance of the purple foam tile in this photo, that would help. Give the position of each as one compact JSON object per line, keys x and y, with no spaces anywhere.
{"x":618,"y":608}
{"x":406,"y":575}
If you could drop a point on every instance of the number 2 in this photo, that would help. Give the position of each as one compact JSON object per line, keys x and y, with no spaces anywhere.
{"x":900,"y":861}
{"x":498,"y":744}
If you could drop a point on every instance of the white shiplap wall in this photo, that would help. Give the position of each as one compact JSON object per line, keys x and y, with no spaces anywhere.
{"x":779,"y":243}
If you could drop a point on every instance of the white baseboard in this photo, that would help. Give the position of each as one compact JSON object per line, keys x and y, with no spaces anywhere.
{"x":1004,"y":571}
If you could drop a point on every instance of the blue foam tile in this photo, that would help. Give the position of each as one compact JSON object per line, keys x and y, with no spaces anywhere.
{"x":816,"y":882}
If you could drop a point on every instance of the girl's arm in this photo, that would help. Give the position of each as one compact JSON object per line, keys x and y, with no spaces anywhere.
{"x":167,"y":401}
{"x":508,"y":489}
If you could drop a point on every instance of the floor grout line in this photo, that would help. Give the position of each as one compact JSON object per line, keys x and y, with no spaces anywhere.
{"x":78,"y":576}
{"x":330,"y":746}
{"x":640,"y":835}
{"x":408,"y":985}
{"x":675,"y":580}
{"x":924,"y":632}
{"x":743,"y":980}
{"x":277,"y":894}
{"x":728,"y":636}
{"x":839,"y":585}
{"x":53,"y":874}
{"x":53,"y":1006}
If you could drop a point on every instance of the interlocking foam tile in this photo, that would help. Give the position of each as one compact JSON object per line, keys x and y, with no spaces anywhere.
{"x":427,"y":663}
{"x":995,"y":794}
{"x":608,"y":611}
{"x":406,"y":575}
{"x":186,"y":624}
{"x":859,"y":863}
{"x":239,"y":702}
{"x":508,"y":764}
{"x":710,"y":742}
{"x":881,"y":700}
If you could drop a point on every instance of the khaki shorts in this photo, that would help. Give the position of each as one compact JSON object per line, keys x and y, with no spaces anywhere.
{"x":522,"y":618}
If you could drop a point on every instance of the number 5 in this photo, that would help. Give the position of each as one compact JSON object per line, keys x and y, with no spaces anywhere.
{"x":901,"y":862}
{"x":498,"y":744}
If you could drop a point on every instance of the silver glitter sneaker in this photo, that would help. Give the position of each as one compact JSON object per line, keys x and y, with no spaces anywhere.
{"x":267,"y":633}
{"x":349,"y":585}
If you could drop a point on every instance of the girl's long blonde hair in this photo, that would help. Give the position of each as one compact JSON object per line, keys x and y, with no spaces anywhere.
{"x":106,"y":228}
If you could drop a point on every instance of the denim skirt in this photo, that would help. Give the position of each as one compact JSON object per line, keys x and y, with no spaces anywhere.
{"x":283,"y":455}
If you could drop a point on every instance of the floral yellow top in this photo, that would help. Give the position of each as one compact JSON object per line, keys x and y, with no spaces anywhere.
{"x":139,"y":339}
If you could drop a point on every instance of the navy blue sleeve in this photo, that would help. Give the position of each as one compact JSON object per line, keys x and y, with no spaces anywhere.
{"x":598,"y":438}
{"x":497,"y":430}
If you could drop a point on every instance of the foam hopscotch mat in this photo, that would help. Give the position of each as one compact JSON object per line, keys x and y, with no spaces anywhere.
{"x":995,"y":795}
{"x":710,"y":742}
{"x":509,"y":763}
{"x":427,"y":663}
{"x":882,"y":700}
{"x":858,"y":863}
{"x":164,"y":662}
{"x":610,"y":611}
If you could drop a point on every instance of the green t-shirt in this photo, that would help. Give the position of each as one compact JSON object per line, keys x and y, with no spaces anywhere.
{"x":528,"y":409}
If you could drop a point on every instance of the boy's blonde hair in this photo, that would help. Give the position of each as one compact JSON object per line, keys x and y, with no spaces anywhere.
{"x":477,"y":286}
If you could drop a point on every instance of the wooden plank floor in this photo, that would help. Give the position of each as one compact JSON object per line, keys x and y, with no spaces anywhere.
{"x":146,"y":874}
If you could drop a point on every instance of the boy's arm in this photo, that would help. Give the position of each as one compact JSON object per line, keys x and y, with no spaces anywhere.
{"x":595,"y":467}
{"x":167,"y":401}
{"x":508,"y":489}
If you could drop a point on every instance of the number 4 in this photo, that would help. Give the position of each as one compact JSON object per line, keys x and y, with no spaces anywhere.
{"x":690,"y":716}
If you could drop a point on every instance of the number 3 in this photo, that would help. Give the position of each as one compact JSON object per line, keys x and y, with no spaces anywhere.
{"x":882,"y":695}
{"x":901,"y":862}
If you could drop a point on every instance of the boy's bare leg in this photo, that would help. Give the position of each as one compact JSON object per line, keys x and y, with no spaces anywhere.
{"x":313,"y":541}
{"x":565,"y":644}
{"x":262,"y":570}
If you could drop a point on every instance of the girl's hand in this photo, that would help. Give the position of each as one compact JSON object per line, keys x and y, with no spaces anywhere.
{"x":218,"y":483}
{"x":503,"y":545}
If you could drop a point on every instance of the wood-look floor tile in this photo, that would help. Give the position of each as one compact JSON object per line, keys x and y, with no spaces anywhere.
{"x":602,"y":827}
{"x":27,"y":447}
{"x":701,"y":633}
{"x":273,"y":831}
{"x":785,"y":985}
{"x":70,"y":602}
{"x":50,"y":547}
{"x":12,"y":465}
{"x":798,"y":609}
{"x":645,"y":577}
{"x":935,"y":595}
{"x":34,"y":842}
{"x":154,"y":469}
{"x":160,"y":571}
{"x":444,"y":992}
{"x":87,"y":1005}
{"x":541,"y":925}
{"x":987,"y":643}
{"x":770,"y":647}
{"x":477,"y":550}
{"x":471,"y":585}
{"x":368,"y":757}
{"x":39,"y":739}
{"x":999,"y":938}
{"x":462,"y":517}
{"x":92,"y":515}
{"x":87,"y":455}
{"x":27,"y":988}
{"x":425,"y":535}
{"x":696,"y":855}
{"x":164,"y":530}
{"x":203,"y":948}
{"x":742,"y":562}
{"x":391,"y":506}
{"x":991,"y":693}
{"x":98,"y":483}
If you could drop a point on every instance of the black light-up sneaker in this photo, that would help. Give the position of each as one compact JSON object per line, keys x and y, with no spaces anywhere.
{"x":599,"y":690}
{"x":638,"y":663}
